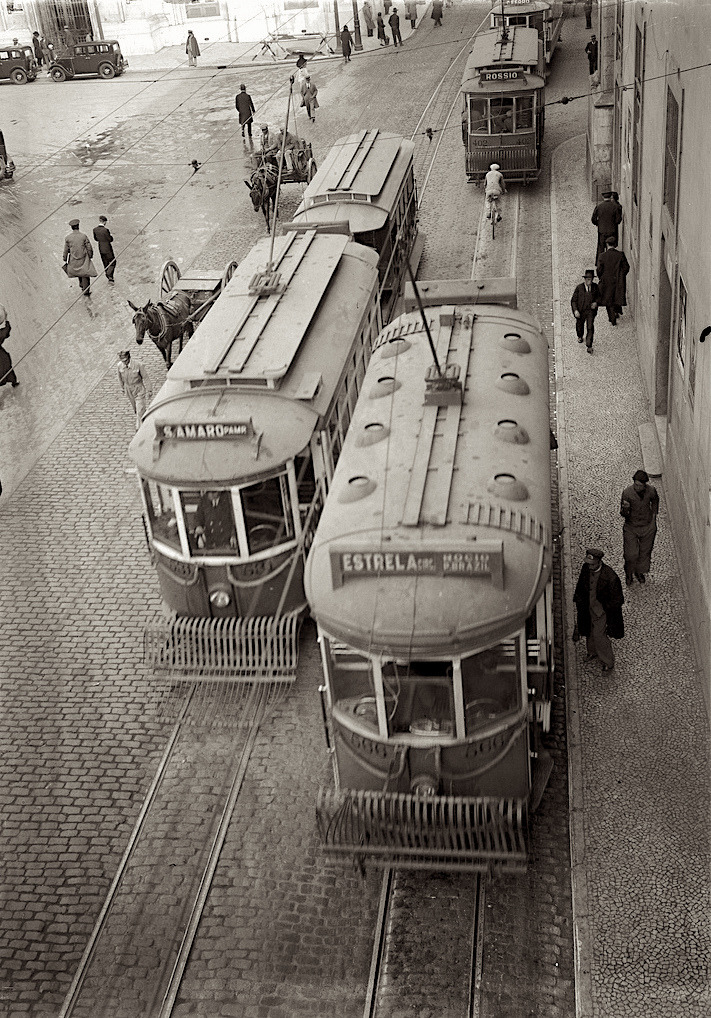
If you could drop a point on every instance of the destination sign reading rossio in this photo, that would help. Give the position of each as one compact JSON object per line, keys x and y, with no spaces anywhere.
{"x":516,"y":75}
{"x":484,"y":560}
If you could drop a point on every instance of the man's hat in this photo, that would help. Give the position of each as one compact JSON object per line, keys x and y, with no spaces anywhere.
{"x":594,"y":553}
{"x":243,"y":88}
{"x":73,"y":222}
{"x":103,"y":219}
{"x":611,"y":240}
{"x":265,"y":127}
{"x":588,"y":272}
{"x":124,"y":353}
{"x":607,"y":194}
{"x":640,"y":475}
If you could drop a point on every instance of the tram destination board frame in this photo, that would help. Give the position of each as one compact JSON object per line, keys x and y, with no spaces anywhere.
{"x":485,"y":559}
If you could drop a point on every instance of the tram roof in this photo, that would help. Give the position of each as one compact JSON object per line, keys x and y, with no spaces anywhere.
{"x":436,"y":536}
{"x":358,"y":181}
{"x":491,"y":53}
{"x":522,"y":7}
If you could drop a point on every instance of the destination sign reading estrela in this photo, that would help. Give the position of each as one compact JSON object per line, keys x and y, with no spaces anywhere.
{"x":201,"y":431}
{"x":484,"y":560}
{"x":502,"y":75}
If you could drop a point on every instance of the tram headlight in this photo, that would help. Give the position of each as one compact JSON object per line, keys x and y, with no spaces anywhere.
{"x":220,"y":598}
{"x":423,"y":784}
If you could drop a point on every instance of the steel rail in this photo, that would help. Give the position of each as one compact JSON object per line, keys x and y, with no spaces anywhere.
{"x":379,"y":941}
{"x":477,"y":965}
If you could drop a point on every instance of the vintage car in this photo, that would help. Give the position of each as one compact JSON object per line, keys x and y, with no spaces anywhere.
{"x":102,"y":57}
{"x":18,"y":64}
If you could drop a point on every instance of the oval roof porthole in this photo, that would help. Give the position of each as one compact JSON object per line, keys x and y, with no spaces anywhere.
{"x":507,"y":486}
{"x":515,"y":342}
{"x":395,"y":346}
{"x":385,"y":386}
{"x":511,"y":431}
{"x":356,"y":487}
{"x":513,"y":383}
{"x":373,"y":432}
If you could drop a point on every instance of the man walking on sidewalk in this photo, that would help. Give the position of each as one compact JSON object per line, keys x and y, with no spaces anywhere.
{"x":134,"y":382}
{"x":639,"y":507}
{"x":607,"y":216}
{"x":591,"y":51}
{"x":584,"y":302}
{"x":587,"y":7}
{"x":394,"y":22}
{"x":612,"y":269}
{"x":598,"y":600}
{"x":245,"y":109}
{"x":103,"y":238}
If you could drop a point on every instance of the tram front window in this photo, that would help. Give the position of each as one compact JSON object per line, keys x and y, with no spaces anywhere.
{"x":352,"y":687}
{"x":491,"y":684}
{"x":267,"y":513}
{"x":502,"y":116}
{"x":210,"y":522}
{"x":161,"y":513}
{"x":478,"y":116}
{"x":524,"y":113}
{"x":418,"y":698}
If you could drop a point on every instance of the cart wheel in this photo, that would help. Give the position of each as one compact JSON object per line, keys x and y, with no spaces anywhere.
{"x":228,"y":273}
{"x":58,"y":74}
{"x":19,"y":77}
{"x":311,"y":170}
{"x":169,"y":276}
{"x":106,"y":70}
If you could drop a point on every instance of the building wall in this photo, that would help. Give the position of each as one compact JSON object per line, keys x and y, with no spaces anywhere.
{"x":671,"y":254}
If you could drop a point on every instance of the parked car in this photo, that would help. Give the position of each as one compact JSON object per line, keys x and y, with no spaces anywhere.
{"x":18,"y":64}
{"x":102,"y":57}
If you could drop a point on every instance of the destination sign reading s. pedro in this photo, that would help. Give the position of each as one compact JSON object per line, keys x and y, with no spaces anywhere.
{"x":486,"y":559}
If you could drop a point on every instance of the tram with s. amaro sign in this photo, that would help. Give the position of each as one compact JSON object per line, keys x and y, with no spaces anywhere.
{"x":366,"y":185}
{"x":546,"y":18}
{"x":429,"y":578}
{"x":236,"y":452}
{"x":503,"y":114}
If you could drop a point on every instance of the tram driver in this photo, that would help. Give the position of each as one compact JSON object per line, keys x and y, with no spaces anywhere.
{"x":213,"y":523}
{"x":494,"y":187}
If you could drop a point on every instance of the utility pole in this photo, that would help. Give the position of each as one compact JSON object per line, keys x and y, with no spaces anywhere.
{"x":338,"y":23}
{"x":357,"y":40}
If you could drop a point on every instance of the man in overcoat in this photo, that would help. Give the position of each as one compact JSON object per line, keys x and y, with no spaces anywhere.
{"x":192,"y":49}
{"x":598,"y":600}
{"x":639,"y":506}
{"x":77,"y":256}
{"x":612,"y":269}
{"x":607,"y":216}
{"x":584,"y":303}
{"x":394,"y":22}
{"x":591,"y":51}
{"x":103,"y":238}
{"x":245,"y":109}
{"x":587,"y":7}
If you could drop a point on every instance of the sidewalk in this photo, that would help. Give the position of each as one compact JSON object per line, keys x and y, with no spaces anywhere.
{"x":638,"y":737}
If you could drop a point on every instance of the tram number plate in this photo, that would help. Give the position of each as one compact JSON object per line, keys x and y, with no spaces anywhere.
{"x":486,"y":560}
{"x":502,"y":75}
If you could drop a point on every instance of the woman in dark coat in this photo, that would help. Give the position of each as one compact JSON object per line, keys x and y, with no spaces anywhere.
{"x":598,"y":600}
{"x":382,"y":34}
{"x":7,"y":375}
{"x":346,"y":43}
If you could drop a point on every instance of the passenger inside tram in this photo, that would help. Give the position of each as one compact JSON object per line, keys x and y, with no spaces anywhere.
{"x":502,"y":116}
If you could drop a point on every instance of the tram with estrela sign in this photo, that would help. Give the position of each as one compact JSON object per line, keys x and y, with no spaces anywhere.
{"x":546,"y":18}
{"x":366,"y":185}
{"x":236,"y":452}
{"x":429,"y":578}
{"x":503,"y":113}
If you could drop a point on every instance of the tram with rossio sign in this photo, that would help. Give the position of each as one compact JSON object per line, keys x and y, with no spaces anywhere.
{"x":546,"y":18}
{"x":429,"y":578}
{"x":503,"y":113}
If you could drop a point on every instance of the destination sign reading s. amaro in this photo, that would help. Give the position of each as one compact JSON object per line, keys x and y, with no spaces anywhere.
{"x":516,"y":75}
{"x":484,"y":559}
{"x":201,"y":431}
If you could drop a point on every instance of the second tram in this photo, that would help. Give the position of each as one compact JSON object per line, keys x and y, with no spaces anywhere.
{"x":546,"y":18}
{"x":430,"y":581}
{"x":503,"y":115}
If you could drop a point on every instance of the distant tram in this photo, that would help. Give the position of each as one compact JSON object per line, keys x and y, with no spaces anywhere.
{"x":367,"y":185}
{"x":503,"y":115}
{"x":236,"y":453}
{"x":430,"y":580}
{"x":546,"y":18}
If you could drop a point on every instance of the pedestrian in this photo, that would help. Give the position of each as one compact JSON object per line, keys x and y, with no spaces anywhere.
{"x":103,"y":238}
{"x":346,"y":44}
{"x":48,"y":51}
{"x":308,"y":97}
{"x":134,"y":382}
{"x":192,"y":49}
{"x":437,"y":13}
{"x":368,"y":18}
{"x":591,"y":50}
{"x":69,"y":38}
{"x":587,"y":7}
{"x":382,"y":34}
{"x":387,"y":4}
{"x":607,"y":216}
{"x":598,"y":601}
{"x":37,"y":46}
{"x":300,"y":62}
{"x":612,"y":269}
{"x":639,"y":506}
{"x":77,"y":256}
{"x":584,"y":302}
{"x":394,"y":22}
{"x":245,"y":109}
{"x":411,"y":12}
{"x":7,"y":375}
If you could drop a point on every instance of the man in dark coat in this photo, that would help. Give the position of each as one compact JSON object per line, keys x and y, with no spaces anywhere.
{"x":598,"y":601}
{"x":437,"y":13}
{"x":382,"y":34}
{"x":7,"y":375}
{"x":591,"y":51}
{"x":587,"y":7}
{"x":639,"y":507}
{"x":77,"y":256}
{"x":394,"y":22}
{"x":104,"y":239}
{"x":612,"y":269}
{"x":37,"y":45}
{"x":245,"y":109}
{"x":584,"y":302}
{"x":607,"y":216}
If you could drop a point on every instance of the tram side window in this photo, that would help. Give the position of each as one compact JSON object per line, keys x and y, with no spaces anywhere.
{"x":210,"y":522}
{"x":161,"y":513}
{"x":491,"y":683}
{"x":352,"y":688}
{"x":267,"y":513}
{"x":524,"y":113}
{"x":419,"y":698}
{"x":305,"y":479}
{"x":502,"y":115}
{"x":478,"y":116}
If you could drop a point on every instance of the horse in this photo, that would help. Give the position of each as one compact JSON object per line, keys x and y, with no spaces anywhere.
{"x":262,"y":186}
{"x":164,"y":322}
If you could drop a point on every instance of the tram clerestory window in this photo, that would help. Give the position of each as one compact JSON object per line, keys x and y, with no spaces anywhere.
{"x":210,"y":522}
{"x":267,"y":513}
{"x":491,"y":684}
{"x":161,"y":513}
{"x":419,"y":698}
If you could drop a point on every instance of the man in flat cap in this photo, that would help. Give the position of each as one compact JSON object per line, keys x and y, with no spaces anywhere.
{"x":134,"y":383}
{"x":639,"y":507}
{"x":77,"y":256}
{"x":584,"y":302}
{"x":607,"y":216}
{"x":598,"y":601}
{"x":612,"y":269}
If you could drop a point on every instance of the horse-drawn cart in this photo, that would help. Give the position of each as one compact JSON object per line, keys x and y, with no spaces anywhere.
{"x":299,"y":163}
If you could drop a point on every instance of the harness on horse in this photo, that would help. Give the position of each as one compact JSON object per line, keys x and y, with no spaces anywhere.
{"x":175,"y":306}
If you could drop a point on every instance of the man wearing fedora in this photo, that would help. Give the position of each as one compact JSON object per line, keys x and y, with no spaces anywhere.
{"x":77,"y":256}
{"x":598,"y":600}
{"x":584,"y":302}
{"x":639,"y":507}
{"x":607,"y":216}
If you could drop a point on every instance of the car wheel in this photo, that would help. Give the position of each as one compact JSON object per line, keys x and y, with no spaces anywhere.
{"x":58,"y":74}
{"x":19,"y":77}
{"x":106,"y":71}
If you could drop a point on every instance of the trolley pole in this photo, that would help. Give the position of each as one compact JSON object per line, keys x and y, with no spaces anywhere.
{"x":281,"y":167}
{"x":357,"y":40}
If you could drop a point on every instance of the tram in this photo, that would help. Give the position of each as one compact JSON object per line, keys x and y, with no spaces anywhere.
{"x":429,"y":578}
{"x":503,"y":90}
{"x":546,"y":18}
{"x":236,"y":452}
{"x":367,"y":184}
